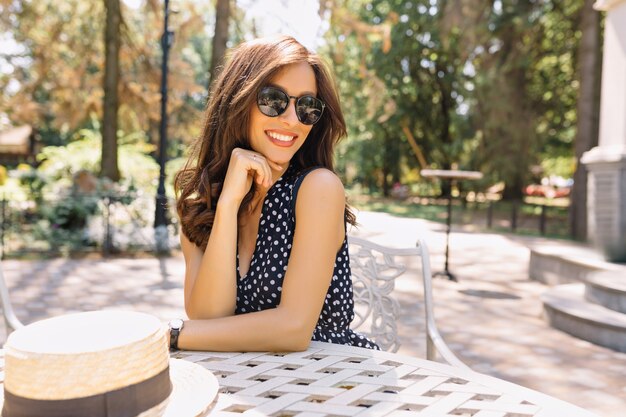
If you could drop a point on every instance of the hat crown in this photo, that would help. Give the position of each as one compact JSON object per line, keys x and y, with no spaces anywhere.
{"x":84,"y":332}
{"x":84,"y":354}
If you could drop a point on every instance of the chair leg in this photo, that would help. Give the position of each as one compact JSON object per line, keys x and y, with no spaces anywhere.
{"x":10,"y":319}
{"x":431,"y":350}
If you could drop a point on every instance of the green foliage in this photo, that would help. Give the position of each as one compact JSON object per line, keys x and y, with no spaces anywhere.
{"x":487,"y":86}
{"x":59,"y":163}
{"x":562,"y":166}
{"x":418,"y":85}
{"x":32,"y":181}
{"x":55,"y":76}
{"x":526,"y":88}
{"x":57,"y":239}
{"x":70,"y":213}
{"x":139,"y":170}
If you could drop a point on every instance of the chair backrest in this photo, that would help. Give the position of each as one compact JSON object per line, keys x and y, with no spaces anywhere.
{"x":10,"y":319}
{"x":374,"y":271}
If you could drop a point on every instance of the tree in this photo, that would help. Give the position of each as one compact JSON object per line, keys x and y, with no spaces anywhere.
{"x":401,"y":74}
{"x":526,"y":89}
{"x":488,"y":86}
{"x":112,"y":42}
{"x":504,"y":109}
{"x":56,"y":83}
{"x":220,"y":38}
{"x":589,"y":68}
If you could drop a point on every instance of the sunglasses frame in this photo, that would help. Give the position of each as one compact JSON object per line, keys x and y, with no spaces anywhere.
{"x":296,"y":99}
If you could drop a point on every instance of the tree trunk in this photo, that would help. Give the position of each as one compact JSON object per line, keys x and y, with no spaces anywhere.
{"x":222,"y":18}
{"x":589,"y":67}
{"x":109,"y":167}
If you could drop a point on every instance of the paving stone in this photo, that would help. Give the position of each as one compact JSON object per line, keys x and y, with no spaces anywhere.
{"x":492,"y":317}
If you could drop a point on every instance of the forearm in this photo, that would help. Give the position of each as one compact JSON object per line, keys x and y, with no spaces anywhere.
{"x":275,"y":330}
{"x":214,"y":289}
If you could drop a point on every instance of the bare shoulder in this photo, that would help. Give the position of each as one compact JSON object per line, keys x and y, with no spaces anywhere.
{"x":323,"y":182}
{"x":321,"y":194}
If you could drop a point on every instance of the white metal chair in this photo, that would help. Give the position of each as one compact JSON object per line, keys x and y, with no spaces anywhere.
{"x":10,"y":319}
{"x":374,"y":271}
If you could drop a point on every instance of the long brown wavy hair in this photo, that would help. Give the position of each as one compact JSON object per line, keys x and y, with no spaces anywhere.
{"x":250,"y":67}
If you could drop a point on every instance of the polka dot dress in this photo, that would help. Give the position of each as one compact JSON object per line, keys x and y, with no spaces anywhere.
{"x":261,"y":288}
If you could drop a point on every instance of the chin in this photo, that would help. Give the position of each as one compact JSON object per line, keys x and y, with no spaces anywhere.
{"x":281,"y":161}
{"x":280,"y":157}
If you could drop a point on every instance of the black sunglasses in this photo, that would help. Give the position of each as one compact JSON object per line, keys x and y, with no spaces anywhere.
{"x":272,"y":102}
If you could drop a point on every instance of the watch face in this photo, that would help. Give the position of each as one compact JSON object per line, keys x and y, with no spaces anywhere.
{"x":176,"y":324}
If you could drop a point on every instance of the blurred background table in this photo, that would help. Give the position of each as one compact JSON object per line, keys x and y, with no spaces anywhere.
{"x":329,"y":379}
{"x":450,"y":176}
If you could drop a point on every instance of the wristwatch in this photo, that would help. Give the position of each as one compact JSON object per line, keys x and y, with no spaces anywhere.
{"x":176,"y":326}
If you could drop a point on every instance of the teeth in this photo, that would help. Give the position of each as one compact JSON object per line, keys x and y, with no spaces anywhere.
{"x":282,"y":138}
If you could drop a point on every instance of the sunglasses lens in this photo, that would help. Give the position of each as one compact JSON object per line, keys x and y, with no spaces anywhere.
{"x":309,"y":109}
{"x":272,"y":102}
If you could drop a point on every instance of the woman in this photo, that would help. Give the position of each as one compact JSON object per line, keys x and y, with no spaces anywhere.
{"x":257,"y":280}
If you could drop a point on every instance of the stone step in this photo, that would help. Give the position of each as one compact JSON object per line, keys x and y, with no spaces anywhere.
{"x":566,"y":263}
{"x":607,"y":289}
{"x":567,"y":309}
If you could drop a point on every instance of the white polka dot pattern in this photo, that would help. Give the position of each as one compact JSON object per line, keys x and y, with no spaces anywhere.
{"x":261,"y":288}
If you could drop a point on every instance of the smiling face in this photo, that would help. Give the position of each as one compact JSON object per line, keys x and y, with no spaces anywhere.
{"x":279,"y":138}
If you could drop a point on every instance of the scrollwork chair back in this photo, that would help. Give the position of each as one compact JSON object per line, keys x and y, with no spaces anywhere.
{"x":375,"y":269}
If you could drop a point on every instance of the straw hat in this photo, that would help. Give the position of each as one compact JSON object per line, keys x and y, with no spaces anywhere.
{"x":103,"y":363}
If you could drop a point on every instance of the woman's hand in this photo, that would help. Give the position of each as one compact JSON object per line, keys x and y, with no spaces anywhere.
{"x":244,"y":167}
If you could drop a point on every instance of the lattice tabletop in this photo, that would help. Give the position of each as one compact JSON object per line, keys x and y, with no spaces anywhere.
{"x":334,"y":380}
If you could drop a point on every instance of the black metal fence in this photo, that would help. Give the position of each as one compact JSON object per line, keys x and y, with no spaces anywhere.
{"x":543,"y":219}
{"x":55,"y":225}
{"x":71,"y":224}
{"x":538,"y":217}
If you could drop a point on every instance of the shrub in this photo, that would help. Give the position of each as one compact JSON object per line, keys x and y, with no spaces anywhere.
{"x":138,"y":169}
{"x":71,"y":213}
{"x":33,"y":181}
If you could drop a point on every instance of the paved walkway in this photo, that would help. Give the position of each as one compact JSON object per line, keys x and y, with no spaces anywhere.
{"x":491,"y":317}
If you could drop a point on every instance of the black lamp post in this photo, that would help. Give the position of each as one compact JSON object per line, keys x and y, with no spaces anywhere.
{"x":160,"y":215}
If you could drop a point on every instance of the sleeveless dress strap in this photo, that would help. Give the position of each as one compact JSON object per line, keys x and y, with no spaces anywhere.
{"x":297,"y":184}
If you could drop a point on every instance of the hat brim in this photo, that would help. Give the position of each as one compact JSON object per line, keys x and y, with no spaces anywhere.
{"x":194,"y":390}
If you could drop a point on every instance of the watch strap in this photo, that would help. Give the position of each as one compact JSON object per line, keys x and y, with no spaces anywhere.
{"x":174,"y":339}
{"x":175,"y":332}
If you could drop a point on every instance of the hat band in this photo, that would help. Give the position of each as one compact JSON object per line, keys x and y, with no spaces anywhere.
{"x":124,"y":402}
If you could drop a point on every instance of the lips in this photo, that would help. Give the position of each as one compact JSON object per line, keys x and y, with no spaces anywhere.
{"x":281,"y":138}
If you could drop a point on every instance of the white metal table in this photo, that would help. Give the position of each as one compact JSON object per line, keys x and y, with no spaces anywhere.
{"x":329,"y":379}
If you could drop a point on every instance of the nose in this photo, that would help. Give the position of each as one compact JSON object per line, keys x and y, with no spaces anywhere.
{"x":289,"y":116}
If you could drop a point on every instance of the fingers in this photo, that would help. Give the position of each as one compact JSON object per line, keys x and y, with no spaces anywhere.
{"x":256,"y":165}
{"x":262,"y":169}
